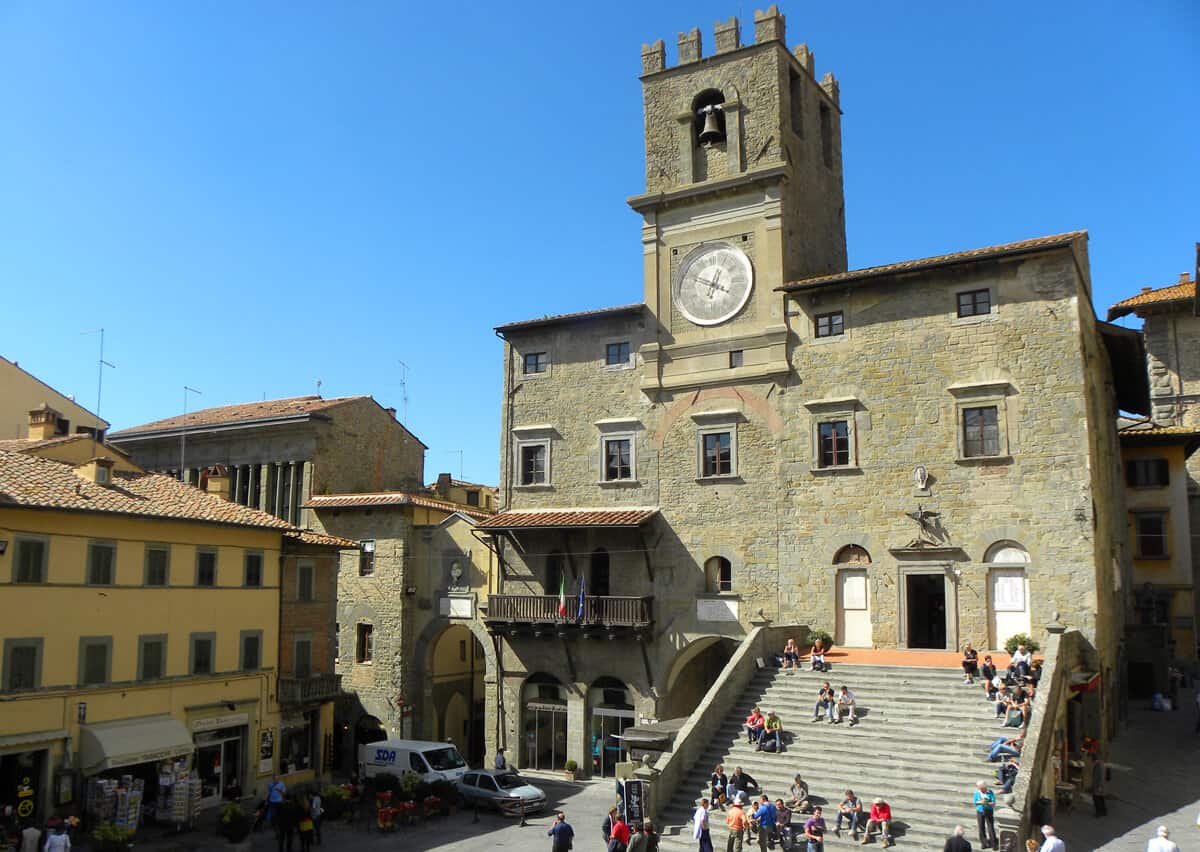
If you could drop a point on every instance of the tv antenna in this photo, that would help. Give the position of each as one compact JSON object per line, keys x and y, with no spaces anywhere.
{"x":404,"y":391}
{"x":318,"y":387}
{"x":183,"y":433}
{"x":460,"y":461}
{"x":100,"y":365}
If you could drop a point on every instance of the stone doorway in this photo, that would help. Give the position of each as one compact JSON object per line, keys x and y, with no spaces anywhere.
{"x":925,"y":608}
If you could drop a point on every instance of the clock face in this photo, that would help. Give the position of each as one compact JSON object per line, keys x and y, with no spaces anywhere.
{"x":712,"y":283}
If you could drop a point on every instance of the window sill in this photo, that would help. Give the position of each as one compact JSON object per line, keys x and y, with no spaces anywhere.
{"x":974,"y":319}
{"x":984,"y":460}
{"x":543,"y":374}
{"x":1152,"y":558}
{"x":619,"y":483}
{"x":821,"y":341}
{"x":615,"y":368}
{"x":540,"y":486}
{"x":717,"y":480}
{"x":837,"y":470}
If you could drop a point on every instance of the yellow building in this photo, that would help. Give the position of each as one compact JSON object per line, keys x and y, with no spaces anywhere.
{"x":1162,"y":626}
{"x":22,"y":391}
{"x":140,"y":624}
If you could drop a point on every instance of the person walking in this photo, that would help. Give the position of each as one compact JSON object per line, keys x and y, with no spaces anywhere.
{"x":618,"y":840}
{"x":985,"y":810}
{"x":276,"y":790}
{"x":305,"y":825}
{"x":561,"y":834}
{"x":765,"y":816}
{"x":700,"y":829}
{"x":957,"y":842}
{"x":500,"y":763}
{"x":1098,"y":784}
{"x":285,"y":823}
{"x":814,"y":831}
{"x":606,"y":826}
{"x":59,"y":841}
{"x":738,"y":823}
{"x":1162,"y":842}
{"x":31,"y":838}
{"x":1052,"y":843}
{"x":316,"y":810}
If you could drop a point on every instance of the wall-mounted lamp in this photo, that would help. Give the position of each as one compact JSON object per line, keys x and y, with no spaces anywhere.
{"x":81,"y":712}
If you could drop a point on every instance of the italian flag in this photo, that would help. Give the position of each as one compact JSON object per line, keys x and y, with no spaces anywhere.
{"x":562,"y":597}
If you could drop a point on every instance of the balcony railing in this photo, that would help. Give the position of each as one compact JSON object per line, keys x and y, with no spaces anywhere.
{"x":303,"y":690}
{"x":597,"y":611}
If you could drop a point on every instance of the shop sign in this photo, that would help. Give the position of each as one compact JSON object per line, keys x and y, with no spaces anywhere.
{"x":26,"y":798}
{"x":635,"y":801}
{"x":266,"y":751}
{"x":212,"y":723}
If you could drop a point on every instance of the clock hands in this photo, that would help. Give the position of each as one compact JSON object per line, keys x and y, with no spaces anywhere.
{"x":714,"y":284}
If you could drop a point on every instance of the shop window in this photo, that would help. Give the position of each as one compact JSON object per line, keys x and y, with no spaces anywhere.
{"x":95,"y":660}
{"x":302,"y":655}
{"x":22,"y":664}
{"x":158,"y":565}
{"x":298,"y":746}
{"x":29,"y":561}
{"x":364,"y":649}
{"x":1147,"y":473}
{"x":152,"y":657}
{"x":102,"y":557}
{"x":1151,"y":533}
{"x":366,"y":558}
{"x":252,"y":575}
{"x":305,"y":570}
{"x":206,"y":567}
{"x":251,"y":650}
{"x":203,"y":653}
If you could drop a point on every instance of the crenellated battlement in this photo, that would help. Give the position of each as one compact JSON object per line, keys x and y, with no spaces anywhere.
{"x":769,"y":25}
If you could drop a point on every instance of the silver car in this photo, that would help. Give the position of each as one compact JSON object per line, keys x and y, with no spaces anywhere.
{"x":504,"y":790}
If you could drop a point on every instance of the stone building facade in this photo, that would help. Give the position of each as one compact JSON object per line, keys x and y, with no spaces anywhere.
{"x":916,"y":455}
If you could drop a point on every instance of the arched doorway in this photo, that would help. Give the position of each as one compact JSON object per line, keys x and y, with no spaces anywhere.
{"x":695,"y":670}
{"x":610,"y":709}
{"x":456,"y":670}
{"x":853,"y":605}
{"x":1008,"y":591}
{"x":368,"y":729}
{"x":543,"y":722}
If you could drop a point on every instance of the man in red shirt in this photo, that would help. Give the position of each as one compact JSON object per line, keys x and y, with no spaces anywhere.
{"x":619,"y":838}
{"x":881,"y":817}
{"x":754,"y":725}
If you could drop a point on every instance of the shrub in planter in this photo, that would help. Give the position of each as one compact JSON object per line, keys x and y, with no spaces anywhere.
{"x":335,"y":800}
{"x":235,"y":823}
{"x":569,"y":769}
{"x":407,"y":791}
{"x":111,"y":838}
{"x":826,"y":639}
{"x":1021,"y":639}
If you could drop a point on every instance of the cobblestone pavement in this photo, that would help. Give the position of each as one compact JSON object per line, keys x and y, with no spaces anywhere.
{"x":1155,"y":781}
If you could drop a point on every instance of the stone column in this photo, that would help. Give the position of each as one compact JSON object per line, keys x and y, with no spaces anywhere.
{"x":277,"y":506}
{"x":305,"y":493}
{"x":293,"y":489}
{"x":577,"y":734}
{"x":263,"y":479}
{"x":237,"y":483}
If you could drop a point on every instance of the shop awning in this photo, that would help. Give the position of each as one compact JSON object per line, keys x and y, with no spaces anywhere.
{"x":10,"y":741}
{"x":127,"y":742}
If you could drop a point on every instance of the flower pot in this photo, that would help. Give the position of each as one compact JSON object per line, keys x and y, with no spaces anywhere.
{"x":569,"y":774}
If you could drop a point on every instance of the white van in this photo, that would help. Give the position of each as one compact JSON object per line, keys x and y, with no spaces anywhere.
{"x":432,"y":761}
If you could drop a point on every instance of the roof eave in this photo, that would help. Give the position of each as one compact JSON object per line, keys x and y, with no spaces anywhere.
{"x":229,"y":426}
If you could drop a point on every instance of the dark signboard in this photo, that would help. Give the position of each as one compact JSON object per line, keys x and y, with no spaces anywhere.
{"x":635,"y":801}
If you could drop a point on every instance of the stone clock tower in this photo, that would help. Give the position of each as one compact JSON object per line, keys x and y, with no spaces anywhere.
{"x":743,"y":194}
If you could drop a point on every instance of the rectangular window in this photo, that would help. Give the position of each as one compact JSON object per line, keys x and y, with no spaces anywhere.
{"x":833,"y":448}
{"x":366,"y":558}
{"x":102,"y":557}
{"x":973,"y":303}
{"x":203,"y":653}
{"x":826,"y":136}
{"x":302,"y":655}
{"x":1147,"y":473}
{"x":618,"y":459}
{"x":718,"y":454}
{"x":363,"y":649}
{"x":472,"y":498}
{"x":158,"y":565}
{"x":736,"y":358}
{"x":981,"y":431}
{"x":252,"y":575}
{"x":830,"y":325}
{"x":533,"y":464}
{"x":29,"y":561}
{"x":535,"y":362}
{"x":95,"y":658}
{"x":616,"y":354}
{"x":22,"y":664}
{"x":1151,"y":535}
{"x":206,"y":567}
{"x":152,"y":657}
{"x":304,"y":581}
{"x":251,"y":650}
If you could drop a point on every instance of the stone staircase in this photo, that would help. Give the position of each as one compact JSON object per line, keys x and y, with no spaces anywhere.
{"x":921,"y":743}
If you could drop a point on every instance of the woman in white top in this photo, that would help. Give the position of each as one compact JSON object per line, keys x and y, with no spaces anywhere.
{"x":700,"y":826}
{"x":57,"y":842}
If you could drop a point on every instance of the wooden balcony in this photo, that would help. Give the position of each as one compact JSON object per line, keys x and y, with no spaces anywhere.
{"x":538,"y":614}
{"x":309,"y":690}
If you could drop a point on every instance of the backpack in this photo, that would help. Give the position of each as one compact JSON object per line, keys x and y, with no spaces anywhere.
{"x":768,"y":744}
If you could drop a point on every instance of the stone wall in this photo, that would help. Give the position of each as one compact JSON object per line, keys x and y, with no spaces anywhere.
{"x":363,"y":448}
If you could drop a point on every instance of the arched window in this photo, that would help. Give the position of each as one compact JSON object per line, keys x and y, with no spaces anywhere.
{"x":1007,"y":553}
{"x":720,"y":574}
{"x":598,"y":576}
{"x":554,"y":573}
{"x":705,"y":104}
{"x":851,"y":554}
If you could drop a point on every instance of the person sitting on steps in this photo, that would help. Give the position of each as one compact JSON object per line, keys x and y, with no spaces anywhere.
{"x":850,"y":810}
{"x":881,"y":818}
{"x":719,"y":782}
{"x":791,"y":655}
{"x":826,"y":699}
{"x":1018,"y":667}
{"x":742,"y":782}
{"x":987,"y":672}
{"x":798,"y":796}
{"x":970,"y":663}
{"x":754,"y":725}
{"x":817,"y":656}
{"x":772,"y":732}
{"x":845,"y":704}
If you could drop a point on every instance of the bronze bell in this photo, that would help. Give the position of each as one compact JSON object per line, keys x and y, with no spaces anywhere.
{"x":712,"y":127}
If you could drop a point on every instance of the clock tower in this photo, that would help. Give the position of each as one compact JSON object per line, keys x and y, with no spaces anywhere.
{"x":743,"y":194}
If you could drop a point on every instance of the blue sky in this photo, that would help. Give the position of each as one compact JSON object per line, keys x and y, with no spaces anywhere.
{"x":250,"y":197}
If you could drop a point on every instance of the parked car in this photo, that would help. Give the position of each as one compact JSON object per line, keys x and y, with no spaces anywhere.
{"x":504,"y":790}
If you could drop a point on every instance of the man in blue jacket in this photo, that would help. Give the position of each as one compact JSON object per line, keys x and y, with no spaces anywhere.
{"x":765,"y":817}
{"x":562,"y":834}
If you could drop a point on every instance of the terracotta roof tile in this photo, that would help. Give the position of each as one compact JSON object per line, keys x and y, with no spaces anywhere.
{"x":1022,"y":247}
{"x":310,"y":537}
{"x":24,"y":445}
{"x":389,"y":498}
{"x":462,"y":483}
{"x":553,"y":319}
{"x":559,"y":518}
{"x":1183,"y":290}
{"x":37,"y":483}
{"x":241,"y":412}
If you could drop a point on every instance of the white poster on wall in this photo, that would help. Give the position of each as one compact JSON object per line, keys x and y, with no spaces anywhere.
{"x":854,"y":591}
{"x":1008,"y":590}
{"x":716,"y":609}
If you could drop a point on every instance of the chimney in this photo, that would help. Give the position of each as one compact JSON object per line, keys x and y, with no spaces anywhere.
{"x":391,"y":412}
{"x":43,"y":423}
{"x":443,"y":485}
{"x":97,"y":470}
{"x":216,"y":481}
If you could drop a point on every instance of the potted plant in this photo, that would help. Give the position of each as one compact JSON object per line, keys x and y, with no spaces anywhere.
{"x":236,"y":826}
{"x":826,"y":639}
{"x":335,"y":801}
{"x":569,"y":769}
{"x":111,"y":838}
{"x":1021,"y":639}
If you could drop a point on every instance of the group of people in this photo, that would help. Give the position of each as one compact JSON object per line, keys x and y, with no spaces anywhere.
{"x":619,"y":836}
{"x":765,"y":731}
{"x":751,"y":813}
{"x":289,"y":816}
{"x":816,"y":655}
